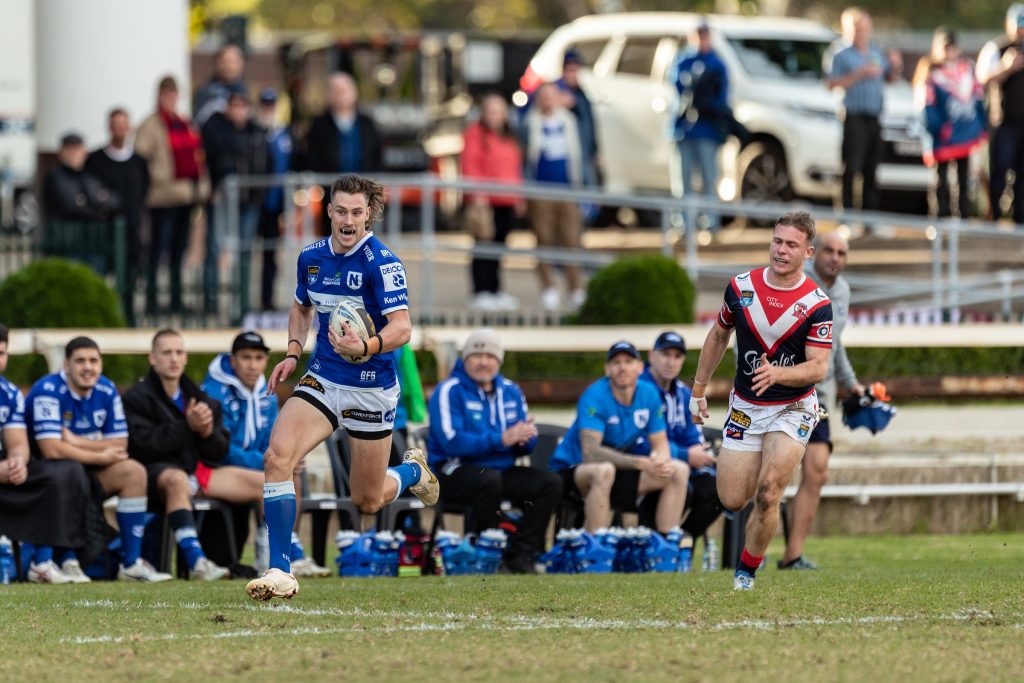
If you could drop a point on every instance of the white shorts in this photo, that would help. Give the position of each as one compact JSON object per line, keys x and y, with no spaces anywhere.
{"x":747,"y":422}
{"x":358,"y":410}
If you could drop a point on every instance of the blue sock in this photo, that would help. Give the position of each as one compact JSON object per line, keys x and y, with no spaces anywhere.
{"x":185,"y":536}
{"x":406,"y":474}
{"x":296,"y":552}
{"x":131,"y":519}
{"x":43,"y":553}
{"x":279,"y":510}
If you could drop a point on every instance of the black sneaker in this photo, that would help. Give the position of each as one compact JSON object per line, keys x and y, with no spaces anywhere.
{"x":518,"y":564}
{"x":798,"y":563}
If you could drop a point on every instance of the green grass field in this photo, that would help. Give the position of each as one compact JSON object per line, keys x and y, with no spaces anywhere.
{"x":917,"y":608}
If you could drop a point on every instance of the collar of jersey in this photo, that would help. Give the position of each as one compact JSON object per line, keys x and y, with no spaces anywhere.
{"x":764,"y":276}
{"x":64,"y":378}
{"x":355,"y":247}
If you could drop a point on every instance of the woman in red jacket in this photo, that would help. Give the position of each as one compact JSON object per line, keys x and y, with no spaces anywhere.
{"x":492,"y":154}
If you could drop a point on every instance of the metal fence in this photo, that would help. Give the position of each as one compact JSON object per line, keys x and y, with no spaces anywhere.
{"x":954,"y":278}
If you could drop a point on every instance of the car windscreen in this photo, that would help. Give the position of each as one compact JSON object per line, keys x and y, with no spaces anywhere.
{"x":780,"y":58}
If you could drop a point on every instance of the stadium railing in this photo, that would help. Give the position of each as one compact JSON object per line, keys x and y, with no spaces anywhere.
{"x":444,"y":341}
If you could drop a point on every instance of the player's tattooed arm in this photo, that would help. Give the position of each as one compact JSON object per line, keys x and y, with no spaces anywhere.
{"x":593,"y":451}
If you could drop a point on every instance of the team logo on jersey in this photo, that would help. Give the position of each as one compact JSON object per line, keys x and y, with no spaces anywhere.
{"x":803,"y":430}
{"x":824,"y":331}
{"x":315,"y":367}
{"x":354,"y":279}
{"x":312,"y":272}
{"x":800,"y":310}
{"x":389,"y":416}
{"x":733,"y":432}
{"x":98,"y":417}
{"x":746,"y":297}
{"x":739,"y":418}
{"x":393,"y":275}
{"x":372,"y":416}
{"x":641,"y":418}
{"x":311,"y":382}
{"x":5,"y":413}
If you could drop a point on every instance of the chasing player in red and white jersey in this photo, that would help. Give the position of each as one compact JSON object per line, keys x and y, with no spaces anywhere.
{"x":783,"y":324}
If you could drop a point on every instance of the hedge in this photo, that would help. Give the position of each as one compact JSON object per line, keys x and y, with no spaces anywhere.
{"x":639,"y":290}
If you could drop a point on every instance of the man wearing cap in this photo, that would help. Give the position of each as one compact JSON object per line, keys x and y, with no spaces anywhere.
{"x":685,"y":439}
{"x":703,"y":119}
{"x":575,"y":100}
{"x":617,"y":449}
{"x":236,"y":380}
{"x":73,"y":196}
{"x":281,"y":149}
{"x":479,"y":427}
{"x":176,"y":431}
{"x":1001,"y":71}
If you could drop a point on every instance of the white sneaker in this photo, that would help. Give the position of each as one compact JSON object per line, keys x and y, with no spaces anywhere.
{"x":207,"y":570}
{"x":141,"y":571}
{"x":506,"y":301}
{"x":426,"y":489}
{"x":47,"y":572}
{"x":73,"y":570}
{"x":551,"y":299}
{"x":579,"y":296}
{"x":742,"y":581}
{"x":307,"y":567}
{"x":484,"y":301}
{"x":273,"y":584}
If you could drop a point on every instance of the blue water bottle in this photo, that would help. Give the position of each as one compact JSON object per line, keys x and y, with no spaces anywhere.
{"x":686,"y":553}
{"x":7,"y":573}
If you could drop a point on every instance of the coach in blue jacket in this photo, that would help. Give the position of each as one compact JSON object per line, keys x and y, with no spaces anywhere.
{"x":479,"y":426}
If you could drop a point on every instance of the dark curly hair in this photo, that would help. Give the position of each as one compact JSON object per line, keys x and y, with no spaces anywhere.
{"x":376,"y":195}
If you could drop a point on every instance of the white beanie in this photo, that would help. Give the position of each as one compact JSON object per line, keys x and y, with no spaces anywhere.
{"x":484,"y":341}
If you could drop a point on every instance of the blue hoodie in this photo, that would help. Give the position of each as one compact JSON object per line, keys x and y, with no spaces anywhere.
{"x":248,"y":415}
{"x":682,"y":432}
{"x":466,"y":423}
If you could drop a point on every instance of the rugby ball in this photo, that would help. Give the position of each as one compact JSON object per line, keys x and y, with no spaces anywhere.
{"x":358,"y":320}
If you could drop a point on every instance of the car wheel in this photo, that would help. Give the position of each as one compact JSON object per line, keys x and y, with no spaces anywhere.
{"x":764,"y":177}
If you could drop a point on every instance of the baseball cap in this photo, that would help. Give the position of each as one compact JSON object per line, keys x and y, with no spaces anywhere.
{"x":70,"y":139}
{"x":702,"y":26}
{"x":248,"y":340}
{"x":669,"y":340}
{"x":572,"y":56}
{"x":268,"y":96}
{"x":622,"y":347}
{"x":484,"y":341}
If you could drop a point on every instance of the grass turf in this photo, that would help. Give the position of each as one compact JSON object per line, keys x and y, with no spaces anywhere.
{"x":883,"y":608}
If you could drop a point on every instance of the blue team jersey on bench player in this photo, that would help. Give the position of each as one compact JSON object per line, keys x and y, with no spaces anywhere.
{"x":52,"y":406}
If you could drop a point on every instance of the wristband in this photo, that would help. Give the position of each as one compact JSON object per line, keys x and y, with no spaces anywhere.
{"x":366,"y":349}
{"x":296,"y":341}
{"x":381,"y":340}
{"x":292,"y":356}
{"x":703,"y":384}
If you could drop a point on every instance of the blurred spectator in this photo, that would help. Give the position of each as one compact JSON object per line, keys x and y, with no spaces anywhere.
{"x":685,"y":439}
{"x":553,"y":155}
{"x":1000,"y":63}
{"x":174,"y":430}
{"x":576,"y":101}
{"x":126,"y":173}
{"x":860,"y":70}
{"x":280,"y":148}
{"x":178,"y":181}
{"x":229,"y":65}
{"x":704,"y":118}
{"x":72,"y":199}
{"x":342,"y":139}
{"x":617,"y":450}
{"x":234,"y":145}
{"x":479,"y":425}
{"x":950,"y":97}
{"x":491,"y":153}
{"x":237,"y":381}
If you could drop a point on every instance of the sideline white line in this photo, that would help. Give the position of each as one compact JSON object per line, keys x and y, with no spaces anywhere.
{"x":465,"y":622}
